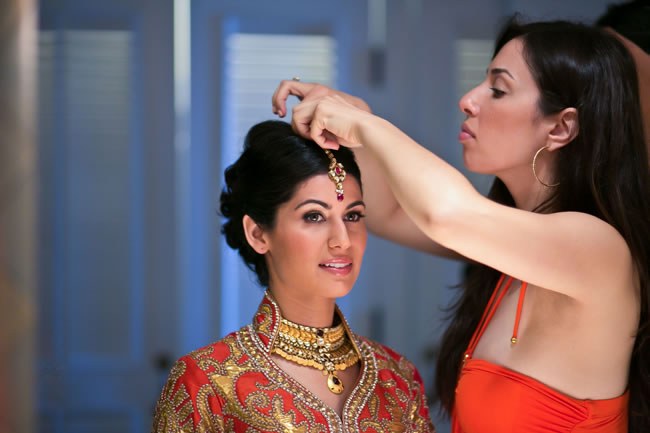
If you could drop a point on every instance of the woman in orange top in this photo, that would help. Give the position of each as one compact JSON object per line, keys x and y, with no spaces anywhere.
{"x":551,"y":333}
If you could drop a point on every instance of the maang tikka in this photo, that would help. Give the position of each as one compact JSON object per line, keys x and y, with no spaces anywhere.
{"x":336,"y":174}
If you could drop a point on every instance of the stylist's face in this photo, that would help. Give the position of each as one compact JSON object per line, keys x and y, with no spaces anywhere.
{"x":316,"y":247}
{"x":502,"y":130}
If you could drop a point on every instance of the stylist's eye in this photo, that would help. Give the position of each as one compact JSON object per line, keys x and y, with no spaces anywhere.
{"x":497,"y":93}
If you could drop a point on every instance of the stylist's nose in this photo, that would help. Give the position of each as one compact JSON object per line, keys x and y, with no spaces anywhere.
{"x":468,"y":103}
{"x":339,"y":237}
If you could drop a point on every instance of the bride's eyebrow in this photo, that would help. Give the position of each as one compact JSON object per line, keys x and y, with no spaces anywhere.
{"x":325,"y":205}
{"x":356,"y":203}
{"x":314,"y":201}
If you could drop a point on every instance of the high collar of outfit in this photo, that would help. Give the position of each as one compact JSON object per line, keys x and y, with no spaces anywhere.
{"x":266,"y":324}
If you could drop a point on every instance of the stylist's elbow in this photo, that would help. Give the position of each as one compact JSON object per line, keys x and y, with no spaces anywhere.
{"x":443,"y":219}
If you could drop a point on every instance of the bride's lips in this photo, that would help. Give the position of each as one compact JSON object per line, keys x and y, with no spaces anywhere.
{"x":338,"y":266}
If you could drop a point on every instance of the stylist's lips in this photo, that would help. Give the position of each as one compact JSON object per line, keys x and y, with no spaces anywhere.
{"x":465,"y":133}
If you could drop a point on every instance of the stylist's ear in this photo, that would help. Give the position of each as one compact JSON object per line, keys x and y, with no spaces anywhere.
{"x":565,"y":129}
{"x":255,"y":235}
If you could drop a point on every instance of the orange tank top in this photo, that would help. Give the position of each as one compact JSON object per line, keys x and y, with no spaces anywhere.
{"x":494,"y":399}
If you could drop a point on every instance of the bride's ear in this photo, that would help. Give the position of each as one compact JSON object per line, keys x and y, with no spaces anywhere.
{"x":255,"y":235}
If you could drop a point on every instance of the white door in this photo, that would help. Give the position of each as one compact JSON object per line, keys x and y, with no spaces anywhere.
{"x":107,"y":299}
{"x":131,"y":273}
{"x":239,"y":52}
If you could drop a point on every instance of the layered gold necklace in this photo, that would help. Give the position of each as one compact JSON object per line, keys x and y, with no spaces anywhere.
{"x":326,"y":349}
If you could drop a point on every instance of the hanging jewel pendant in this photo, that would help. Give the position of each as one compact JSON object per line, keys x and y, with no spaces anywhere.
{"x":334,"y":383}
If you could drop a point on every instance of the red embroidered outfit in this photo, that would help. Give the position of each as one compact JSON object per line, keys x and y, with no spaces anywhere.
{"x":233,"y":385}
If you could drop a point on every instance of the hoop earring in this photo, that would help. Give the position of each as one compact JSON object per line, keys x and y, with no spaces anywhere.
{"x":547,"y":185}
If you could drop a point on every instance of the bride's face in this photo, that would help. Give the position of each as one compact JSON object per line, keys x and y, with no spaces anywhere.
{"x":317,"y":244}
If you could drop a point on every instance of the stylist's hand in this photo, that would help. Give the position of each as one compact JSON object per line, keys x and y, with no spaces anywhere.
{"x":330,"y":121}
{"x":308,"y":92}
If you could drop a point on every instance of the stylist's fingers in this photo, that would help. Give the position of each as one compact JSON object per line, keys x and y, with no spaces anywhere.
{"x":317,"y":130}
{"x":308,"y":120}
{"x":303,"y":91}
{"x":286,"y":88}
{"x":301,"y":117}
{"x":319,"y":120}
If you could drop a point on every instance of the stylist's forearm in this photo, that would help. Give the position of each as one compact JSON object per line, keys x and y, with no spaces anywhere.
{"x":431,"y":192}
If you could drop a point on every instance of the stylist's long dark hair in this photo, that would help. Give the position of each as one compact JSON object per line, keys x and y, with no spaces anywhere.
{"x":603,"y":172}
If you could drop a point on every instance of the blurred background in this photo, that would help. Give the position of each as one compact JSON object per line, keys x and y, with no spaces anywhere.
{"x":117,"y":120}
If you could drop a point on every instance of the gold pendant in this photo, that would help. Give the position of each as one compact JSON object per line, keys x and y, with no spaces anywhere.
{"x":334,"y":383}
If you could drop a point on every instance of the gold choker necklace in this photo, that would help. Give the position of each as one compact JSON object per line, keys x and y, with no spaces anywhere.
{"x":327,"y":349}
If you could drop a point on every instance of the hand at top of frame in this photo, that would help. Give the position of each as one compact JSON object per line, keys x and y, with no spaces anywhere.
{"x":320,"y":115}
{"x":308,"y":92}
{"x":330,"y":121}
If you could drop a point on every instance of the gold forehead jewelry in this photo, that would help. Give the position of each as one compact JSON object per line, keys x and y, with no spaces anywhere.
{"x":326,"y":349}
{"x":337,"y":174}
